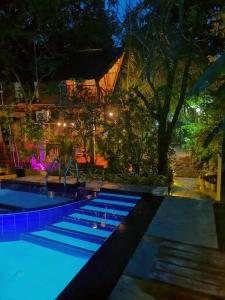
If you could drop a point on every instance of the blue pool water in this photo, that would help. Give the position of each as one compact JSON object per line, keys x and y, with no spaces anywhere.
{"x":42,"y":263}
{"x":29,"y":271}
{"x":29,"y":200}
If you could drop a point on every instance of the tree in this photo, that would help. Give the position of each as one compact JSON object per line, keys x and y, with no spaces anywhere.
{"x":46,"y":33}
{"x":171,"y":41}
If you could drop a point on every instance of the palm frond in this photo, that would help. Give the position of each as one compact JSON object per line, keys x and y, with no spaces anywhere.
{"x":211,"y":74}
{"x":212,"y":135}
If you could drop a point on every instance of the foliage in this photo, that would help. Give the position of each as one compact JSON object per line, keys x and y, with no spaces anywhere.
{"x":47,"y":33}
{"x":34,"y":130}
{"x":199,"y":133}
{"x":171,"y":41}
{"x":6,"y":121}
{"x":126,"y":136}
{"x":129,"y":178}
{"x":214,"y":72}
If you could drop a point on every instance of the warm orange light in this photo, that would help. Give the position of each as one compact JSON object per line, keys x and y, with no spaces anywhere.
{"x":59,"y":124}
{"x":64,"y":124}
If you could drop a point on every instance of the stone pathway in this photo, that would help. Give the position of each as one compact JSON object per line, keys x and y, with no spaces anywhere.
{"x":185,"y":187}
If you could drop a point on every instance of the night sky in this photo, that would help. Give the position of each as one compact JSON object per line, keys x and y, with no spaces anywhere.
{"x":126,"y":3}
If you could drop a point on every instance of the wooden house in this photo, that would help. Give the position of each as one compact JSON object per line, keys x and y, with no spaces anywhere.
{"x":87,"y":78}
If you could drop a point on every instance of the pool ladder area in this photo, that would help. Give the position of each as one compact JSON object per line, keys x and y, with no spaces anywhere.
{"x":84,"y":231}
{"x":71,"y":162}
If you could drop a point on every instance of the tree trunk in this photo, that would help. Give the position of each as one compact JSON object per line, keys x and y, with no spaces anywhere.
{"x":163,"y":148}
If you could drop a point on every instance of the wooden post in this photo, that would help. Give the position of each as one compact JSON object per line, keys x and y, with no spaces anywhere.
{"x":92,"y":146}
{"x":222,"y":189}
{"x":219,"y":172}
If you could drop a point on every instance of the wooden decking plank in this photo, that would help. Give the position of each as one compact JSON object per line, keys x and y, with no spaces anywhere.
{"x":187,"y":283}
{"x":165,"y":291}
{"x":192,"y":264}
{"x":201,"y":259}
{"x":202,"y":277}
{"x":203,"y":251}
{"x":195,"y":271}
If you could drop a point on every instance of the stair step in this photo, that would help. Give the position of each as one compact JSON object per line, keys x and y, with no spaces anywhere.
{"x":105,"y":210}
{"x":75,"y":234}
{"x":95,"y":219}
{"x":121,"y":196}
{"x":61,"y":243}
{"x":99,"y":214}
{"x":113,"y":202}
{"x":83,"y":229}
{"x":89,"y":223}
{"x":109,"y":206}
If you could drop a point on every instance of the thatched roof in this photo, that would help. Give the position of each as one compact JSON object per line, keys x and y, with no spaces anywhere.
{"x":88,"y":64}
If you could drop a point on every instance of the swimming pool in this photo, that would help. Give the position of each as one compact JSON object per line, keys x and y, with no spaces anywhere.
{"x":42,"y":263}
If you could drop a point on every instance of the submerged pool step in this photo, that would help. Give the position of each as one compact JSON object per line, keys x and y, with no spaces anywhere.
{"x":89,"y":223}
{"x":75,"y":234}
{"x":76,"y":227}
{"x":109,"y":206}
{"x":98,"y":214}
{"x":91,"y":218}
{"x":61,"y":243}
{"x":114,"y":202}
{"x":118,"y":196}
{"x":103,"y":209}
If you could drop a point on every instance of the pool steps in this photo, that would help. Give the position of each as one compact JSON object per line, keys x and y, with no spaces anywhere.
{"x":113,"y":202}
{"x":84,"y":231}
{"x":56,"y":245}
{"x":98,"y":214}
{"x":94,"y":218}
{"x":99,"y":224}
{"x":79,"y":235}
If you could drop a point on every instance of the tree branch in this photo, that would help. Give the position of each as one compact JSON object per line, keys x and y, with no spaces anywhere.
{"x":156,"y":96}
{"x":182,"y":93}
{"x":143,"y":98}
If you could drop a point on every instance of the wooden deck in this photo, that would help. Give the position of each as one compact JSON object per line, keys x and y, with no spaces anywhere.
{"x":182,"y":271}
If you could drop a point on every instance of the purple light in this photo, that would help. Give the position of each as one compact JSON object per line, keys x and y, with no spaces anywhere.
{"x":42,"y":153}
{"x":35,"y":165}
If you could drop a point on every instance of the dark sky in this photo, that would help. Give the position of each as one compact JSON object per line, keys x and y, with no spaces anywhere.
{"x":123,"y":4}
